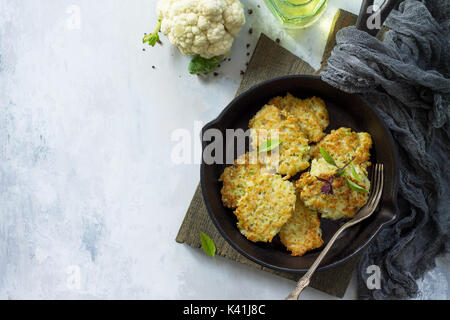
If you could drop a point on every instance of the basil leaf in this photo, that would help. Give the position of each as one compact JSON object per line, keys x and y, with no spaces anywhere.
{"x":343,"y":171}
{"x":200,"y":65}
{"x":355,"y":187}
{"x":354,"y":173}
{"x":340,"y":173}
{"x":208,"y":245}
{"x":328,"y":158}
{"x":269,"y":145}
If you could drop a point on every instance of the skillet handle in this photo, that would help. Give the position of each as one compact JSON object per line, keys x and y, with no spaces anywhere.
{"x":370,"y":21}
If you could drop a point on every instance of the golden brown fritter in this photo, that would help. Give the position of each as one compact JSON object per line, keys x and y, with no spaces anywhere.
{"x":343,"y":144}
{"x":265,"y":208}
{"x":235,"y":178}
{"x":271,"y":123}
{"x":302,"y":231}
{"x":319,"y":109}
{"x":344,"y":203}
{"x":311,"y":114}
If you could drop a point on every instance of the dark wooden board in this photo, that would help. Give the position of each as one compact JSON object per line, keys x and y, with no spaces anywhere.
{"x":270,"y":60}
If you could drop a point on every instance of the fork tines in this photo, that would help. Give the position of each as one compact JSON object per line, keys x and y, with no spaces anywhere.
{"x":377,"y":186}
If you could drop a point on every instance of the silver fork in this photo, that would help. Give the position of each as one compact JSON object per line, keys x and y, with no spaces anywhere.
{"x":364,"y":213}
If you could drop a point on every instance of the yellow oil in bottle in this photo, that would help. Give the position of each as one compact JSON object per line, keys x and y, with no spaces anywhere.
{"x":297,"y":13}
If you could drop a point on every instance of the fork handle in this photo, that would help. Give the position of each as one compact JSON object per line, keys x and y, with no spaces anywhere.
{"x":301,"y":284}
{"x":305,"y":280}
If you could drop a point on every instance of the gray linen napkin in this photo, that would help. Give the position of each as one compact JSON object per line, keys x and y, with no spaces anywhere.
{"x":406,"y":78}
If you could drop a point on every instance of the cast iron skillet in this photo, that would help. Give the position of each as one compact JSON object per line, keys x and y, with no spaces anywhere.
{"x":345,"y":110}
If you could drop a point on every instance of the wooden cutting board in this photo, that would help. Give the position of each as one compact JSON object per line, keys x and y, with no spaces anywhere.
{"x":270,"y":60}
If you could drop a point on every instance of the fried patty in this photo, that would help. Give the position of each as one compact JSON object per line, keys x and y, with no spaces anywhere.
{"x":311,"y":114}
{"x":271,"y":123}
{"x":343,"y":144}
{"x":302,"y":231}
{"x":265,"y":207}
{"x":344,"y":203}
{"x":319,"y":109}
{"x":238,"y":177}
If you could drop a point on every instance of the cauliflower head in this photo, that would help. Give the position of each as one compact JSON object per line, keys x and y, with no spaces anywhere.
{"x":201,"y":27}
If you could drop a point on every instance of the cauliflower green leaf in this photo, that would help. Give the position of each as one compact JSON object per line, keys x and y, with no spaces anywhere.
{"x":200,"y":65}
{"x":153,"y":37}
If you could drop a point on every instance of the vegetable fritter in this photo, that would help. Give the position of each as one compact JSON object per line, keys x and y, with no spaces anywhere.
{"x":237,"y":177}
{"x":311,"y":114}
{"x":265,"y":208}
{"x":343,"y":203}
{"x":343,"y":144}
{"x":292,"y":155}
{"x":302,"y":231}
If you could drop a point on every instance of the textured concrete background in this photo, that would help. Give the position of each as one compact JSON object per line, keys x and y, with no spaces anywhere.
{"x":90,"y":199}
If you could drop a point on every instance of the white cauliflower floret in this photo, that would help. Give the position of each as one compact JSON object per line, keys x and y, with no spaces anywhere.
{"x":201,"y":27}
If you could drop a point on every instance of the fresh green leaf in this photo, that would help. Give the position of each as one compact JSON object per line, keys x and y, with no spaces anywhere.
{"x":340,"y":173}
{"x":153,"y":37}
{"x":269,"y":145}
{"x":200,"y":65}
{"x":343,"y":171}
{"x":328,"y":158}
{"x":354,"y":173}
{"x":208,"y":245}
{"x":355,"y":187}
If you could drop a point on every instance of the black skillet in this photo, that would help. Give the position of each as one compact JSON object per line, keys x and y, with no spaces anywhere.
{"x":345,"y":110}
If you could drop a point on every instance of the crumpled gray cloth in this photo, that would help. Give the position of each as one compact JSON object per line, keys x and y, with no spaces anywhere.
{"x":406,"y":78}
